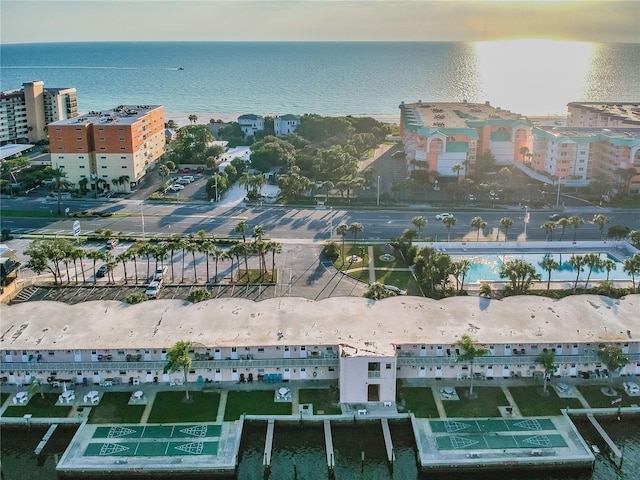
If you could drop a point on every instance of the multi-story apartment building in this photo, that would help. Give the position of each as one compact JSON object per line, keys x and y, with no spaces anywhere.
{"x":438,"y":136}
{"x":111,"y":149}
{"x":26,"y":112}
{"x":587,"y":153}
{"x":603,"y":114}
{"x":366,"y":347}
{"x":285,"y":124}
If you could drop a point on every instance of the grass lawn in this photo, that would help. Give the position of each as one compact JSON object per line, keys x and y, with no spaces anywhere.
{"x":39,"y":407}
{"x":403,"y":280}
{"x":257,"y":402}
{"x":323,"y":399}
{"x":485,"y":405}
{"x":596,"y":399}
{"x":419,"y":401}
{"x":169,"y":407}
{"x":113,"y":408}
{"x":3,"y":397}
{"x":532,"y":404}
{"x":397,"y":263}
{"x":342,"y":262}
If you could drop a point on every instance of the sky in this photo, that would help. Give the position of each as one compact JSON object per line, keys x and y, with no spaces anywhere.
{"x":36,"y":21}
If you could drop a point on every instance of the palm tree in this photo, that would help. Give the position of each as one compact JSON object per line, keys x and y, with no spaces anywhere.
{"x":172,"y":245}
{"x":632,"y":267}
{"x":577,"y":262}
{"x":575,"y":221}
{"x":613,"y":357}
{"x":123,"y":180}
{"x":478,"y":224}
{"x":193,"y":247}
{"x":342,"y":230}
{"x":356,"y":228}
{"x":563,"y":223}
{"x":124,"y":257}
{"x":524,"y":151}
{"x":419,"y":222}
{"x":274,"y":248}
{"x":469,"y":352}
{"x":547,"y":359}
{"x":592,"y":260}
{"x":146,"y":249}
{"x":608,"y":265}
{"x":193,"y":119}
{"x":178,"y":358}
{"x":548,"y":228}
{"x":95,"y":255}
{"x":60,"y":183}
{"x":505,"y":223}
{"x":600,"y":220}
{"x":79,"y":254}
{"x":460,"y":270}
{"x":549,"y":265}
{"x":457,"y":168}
{"x":449,"y":222}
{"x":111,"y":263}
{"x":216,"y":254}
{"x":260,"y":246}
{"x":242,"y":228}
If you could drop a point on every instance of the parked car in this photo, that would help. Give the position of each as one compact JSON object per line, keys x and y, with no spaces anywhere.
{"x":200,"y":169}
{"x":442,"y":216}
{"x":102,"y":271}
{"x":186,"y":170}
{"x":183,"y":181}
{"x":153,"y":289}
{"x":191,"y":178}
{"x":472,"y":197}
{"x":396,"y":290}
{"x":112,"y":243}
{"x":159,"y":274}
{"x":556,"y":216}
{"x":175,"y":188}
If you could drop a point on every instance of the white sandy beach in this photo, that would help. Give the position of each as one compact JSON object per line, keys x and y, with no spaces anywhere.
{"x":182,"y":119}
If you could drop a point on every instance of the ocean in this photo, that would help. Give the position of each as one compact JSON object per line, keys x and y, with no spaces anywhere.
{"x":532,"y":77}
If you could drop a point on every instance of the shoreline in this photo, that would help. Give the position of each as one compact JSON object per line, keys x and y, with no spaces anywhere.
{"x":182,"y":119}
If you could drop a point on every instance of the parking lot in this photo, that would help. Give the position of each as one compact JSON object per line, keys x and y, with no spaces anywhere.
{"x":302,"y":273}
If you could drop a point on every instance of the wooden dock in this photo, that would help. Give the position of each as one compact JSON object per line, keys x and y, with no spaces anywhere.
{"x":45,"y":439}
{"x":268,"y":444}
{"x":388,"y":443}
{"x":328,"y":442}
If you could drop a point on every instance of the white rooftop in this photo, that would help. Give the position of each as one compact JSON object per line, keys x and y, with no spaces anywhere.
{"x":370,"y":327}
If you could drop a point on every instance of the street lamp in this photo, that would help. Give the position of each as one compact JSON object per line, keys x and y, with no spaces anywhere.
{"x":142,"y":215}
{"x":378,"y":200}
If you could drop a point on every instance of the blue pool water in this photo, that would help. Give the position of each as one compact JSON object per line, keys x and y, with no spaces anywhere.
{"x":487,"y":267}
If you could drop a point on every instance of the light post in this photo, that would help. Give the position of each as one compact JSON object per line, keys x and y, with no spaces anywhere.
{"x":142,"y":216}
{"x":378,"y":199}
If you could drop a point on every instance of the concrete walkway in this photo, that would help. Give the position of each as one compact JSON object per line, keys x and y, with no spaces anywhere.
{"x":151,"y":397}
{"x":512,"y":401}
{"x":222,"y":405}
{"x":372,"y":266}
{"x":435,"y":391}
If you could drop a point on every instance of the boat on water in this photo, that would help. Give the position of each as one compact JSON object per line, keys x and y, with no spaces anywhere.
{"x":180,"y":68}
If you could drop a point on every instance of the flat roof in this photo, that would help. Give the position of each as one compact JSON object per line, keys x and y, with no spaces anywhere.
{"x":456,"y":114}
{"x":361,"y":326}
{"x":625,"y":111}
{"x":120,"y":115}
{"x":11,"y":149}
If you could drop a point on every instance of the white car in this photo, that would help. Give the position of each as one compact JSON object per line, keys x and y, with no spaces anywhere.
{"x":632,"y":388}
{"x":396,"y":290}
{"x":175,"y":188}
{"x":153,"y":289}
{"x":159,"y":274}
{"x":442,"y":216}
{"x":183,"y":181}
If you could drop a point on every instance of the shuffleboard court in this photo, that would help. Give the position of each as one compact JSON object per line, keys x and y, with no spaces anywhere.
{"x":491,"y":425}
{"x":493,"y":441}
{"x":157,"y":431}
{"x":150,"y":449}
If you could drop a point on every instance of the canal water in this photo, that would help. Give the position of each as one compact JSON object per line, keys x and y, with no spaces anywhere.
{"x":299,"y":452}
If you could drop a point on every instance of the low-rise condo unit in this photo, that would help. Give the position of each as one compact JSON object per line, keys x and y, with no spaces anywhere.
{"x":365,"y":346}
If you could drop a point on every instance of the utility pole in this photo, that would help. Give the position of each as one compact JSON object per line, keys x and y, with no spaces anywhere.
{"x":378,"y":199}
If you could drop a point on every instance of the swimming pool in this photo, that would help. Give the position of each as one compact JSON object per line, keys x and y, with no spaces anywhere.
{"x":487,"y":267}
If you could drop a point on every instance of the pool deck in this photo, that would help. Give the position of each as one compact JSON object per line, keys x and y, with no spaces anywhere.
{"x":472,"y":444}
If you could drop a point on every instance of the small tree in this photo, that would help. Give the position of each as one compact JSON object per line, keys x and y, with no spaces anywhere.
{"x":449,"y":222}
{"x":614,"y":359}
{"x":342,"y":230}
{"x":505,"y":223}
{"x":470,"y":350}
{"x":377,"y":291}
{"x":136,"y":297}
{"x":547,"y":359}
{"x":419,"y":222}
{"x":600,"y":220}
{"x":199,"y":295}
{"x":178,"y":359}
{"x":549,"y":265}
{"x":521,"y":275}
{"x":478,"y":224}
{"x":578,"y":263}
{"x":485,"y":290}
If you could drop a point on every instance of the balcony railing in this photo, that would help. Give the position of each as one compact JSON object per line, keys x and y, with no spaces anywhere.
{"x":99,"y":366}
{"x":507,"y":360}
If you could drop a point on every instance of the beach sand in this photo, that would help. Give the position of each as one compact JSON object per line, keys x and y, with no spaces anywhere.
{"x":182,"y":119}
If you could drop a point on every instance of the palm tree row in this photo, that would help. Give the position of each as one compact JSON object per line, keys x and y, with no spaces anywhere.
{"x":57,"y":255}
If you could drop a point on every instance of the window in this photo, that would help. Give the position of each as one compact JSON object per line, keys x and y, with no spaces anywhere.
{"x":104,"y":166}
{"x":122,"y":148}
{"x":387,"y":366}
{"x":81,"y":166}
{"x":103,"y":148}
{"x":123,"y":158}
{"x":260,"y":349}
{"x":124,"y":166}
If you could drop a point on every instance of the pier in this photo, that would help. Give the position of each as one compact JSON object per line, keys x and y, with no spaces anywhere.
{"x":45,"y":439}
{"x":328,"y":442}
{"x":388,"y":443}
{"x":268,"y":445}
{"x":617,"y":453}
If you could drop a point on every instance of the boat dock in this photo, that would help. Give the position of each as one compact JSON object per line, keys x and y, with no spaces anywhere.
{"x":45,"y":439}
{"x":388,"y":443}
{"x":328,"y":443}
{"x":268,"y":445}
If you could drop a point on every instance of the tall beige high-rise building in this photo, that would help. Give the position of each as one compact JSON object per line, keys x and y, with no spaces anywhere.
{"x":26,"y":112}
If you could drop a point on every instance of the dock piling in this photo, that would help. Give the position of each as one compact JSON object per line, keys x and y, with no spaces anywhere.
{"x":268,"y":446}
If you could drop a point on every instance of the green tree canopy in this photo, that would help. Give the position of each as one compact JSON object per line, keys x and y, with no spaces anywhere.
{"x":178,"y":358}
